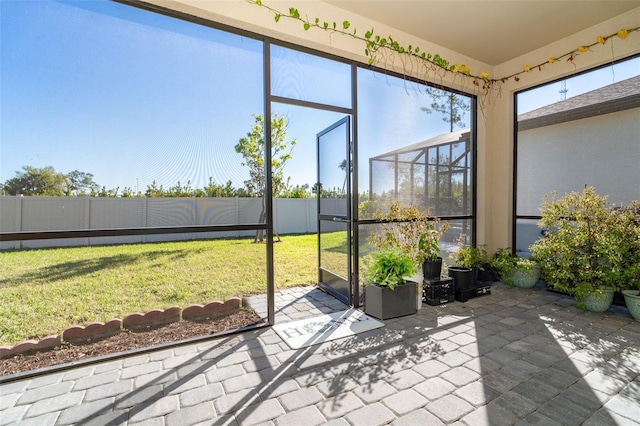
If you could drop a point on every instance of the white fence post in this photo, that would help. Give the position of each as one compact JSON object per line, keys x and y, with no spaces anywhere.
{"x":19,"y":212}
{"x":145,"y":216}
{"x":87,"y":217}
{"x":19,"y":206}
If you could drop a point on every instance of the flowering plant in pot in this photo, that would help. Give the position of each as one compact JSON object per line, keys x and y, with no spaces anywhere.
{"x":388,"y":293}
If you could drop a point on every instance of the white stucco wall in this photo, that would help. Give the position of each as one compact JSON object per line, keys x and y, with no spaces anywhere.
{"x":602,"y":151}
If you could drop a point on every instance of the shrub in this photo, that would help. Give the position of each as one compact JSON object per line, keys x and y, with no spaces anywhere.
{"x":506,"y":263}
{"x":587,"y":243}
{"x":472,"y":256}
{"x":411,"y":230}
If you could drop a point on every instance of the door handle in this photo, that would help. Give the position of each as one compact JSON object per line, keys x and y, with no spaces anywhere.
{"x":340,"y":219}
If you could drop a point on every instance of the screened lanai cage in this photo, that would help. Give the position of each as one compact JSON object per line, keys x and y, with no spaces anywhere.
{"x":434,"y":174}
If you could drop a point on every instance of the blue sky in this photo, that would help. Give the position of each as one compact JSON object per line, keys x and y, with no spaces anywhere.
{"x":133,"y":97}
{"x":550,"y":93}
{"x":110,"y":96}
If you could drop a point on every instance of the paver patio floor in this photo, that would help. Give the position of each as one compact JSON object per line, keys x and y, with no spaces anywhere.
{"x":513,"y":357}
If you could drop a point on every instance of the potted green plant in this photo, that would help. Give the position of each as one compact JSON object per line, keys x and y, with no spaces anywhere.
{"x":472,"y":256}
{"x":388,"y":293}
{"x":514,"y":270}
{"x":632,"y":295}
{"x":428,"y":249}
{"x":632,"y":300}
{"x":469,"y":257}
{"x":577,"y":252}
{"x":625,"y":254}
{"x":414,"y":232}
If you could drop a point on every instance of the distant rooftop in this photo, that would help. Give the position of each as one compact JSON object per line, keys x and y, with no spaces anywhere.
{"x":445,"y":138}
{"x":614,"y":97}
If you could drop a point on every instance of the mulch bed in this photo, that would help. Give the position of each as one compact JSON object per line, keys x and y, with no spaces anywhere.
{"x":126,"y":341}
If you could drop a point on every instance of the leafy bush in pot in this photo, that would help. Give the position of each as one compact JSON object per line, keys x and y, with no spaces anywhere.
{"x":472,"y":256}
{"x":624,"y":245}
{"x":507,"y":263}
{"x":587,"y":245}
{"x":389,"y":268}
{"x":411,"y":230}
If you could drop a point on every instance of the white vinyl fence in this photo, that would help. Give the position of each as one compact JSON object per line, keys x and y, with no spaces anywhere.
{"x":23,"y":214}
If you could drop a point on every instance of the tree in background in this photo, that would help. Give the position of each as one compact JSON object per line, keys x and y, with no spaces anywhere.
{"x":36,"y":181}
{"x":252,"y":149}
{"x":451,"y":105}
{"x":80,"y":183}
{"x":45,"y":181}
{"x":153,"y":191}
{"x":298,"y":191}
{"x":214,"y":190}
{"x":110,"y":193}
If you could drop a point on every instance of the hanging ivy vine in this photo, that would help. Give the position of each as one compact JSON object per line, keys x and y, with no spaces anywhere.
{"x":385,"y":49}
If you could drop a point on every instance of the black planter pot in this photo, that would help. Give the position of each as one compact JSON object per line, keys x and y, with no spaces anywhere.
{"x":618,"y":299}
{"x":432,"y":269}
{"x":383,"y":303}
{"x":475,"y":272}
{"x":463,"y":278}
{"x":489,"y":274}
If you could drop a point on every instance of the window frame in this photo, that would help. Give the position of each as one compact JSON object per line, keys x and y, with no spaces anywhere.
{"x":515,"y":216}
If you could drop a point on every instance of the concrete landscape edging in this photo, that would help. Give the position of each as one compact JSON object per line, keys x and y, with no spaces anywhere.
{"x":134,"y":322}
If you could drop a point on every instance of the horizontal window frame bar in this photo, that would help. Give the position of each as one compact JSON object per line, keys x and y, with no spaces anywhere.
{"x":121,"y":232}
{"x":430,"y":219}
{"x":528,"y":217}
{"x":310,"y":104}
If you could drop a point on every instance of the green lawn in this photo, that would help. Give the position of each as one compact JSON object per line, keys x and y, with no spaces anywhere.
{"x":44,"y":291}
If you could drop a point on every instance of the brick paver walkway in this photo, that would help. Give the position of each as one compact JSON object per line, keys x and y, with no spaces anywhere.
{"x":513,"y":357}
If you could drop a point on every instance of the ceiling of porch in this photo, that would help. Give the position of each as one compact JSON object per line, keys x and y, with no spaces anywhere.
{"x":489,"y":31}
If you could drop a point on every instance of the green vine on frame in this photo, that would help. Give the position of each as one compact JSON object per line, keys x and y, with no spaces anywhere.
{"x":374,"y":43}
{"x":378,"y":48}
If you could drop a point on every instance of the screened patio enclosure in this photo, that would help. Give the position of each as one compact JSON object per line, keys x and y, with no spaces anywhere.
{"x":434,"y":174}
